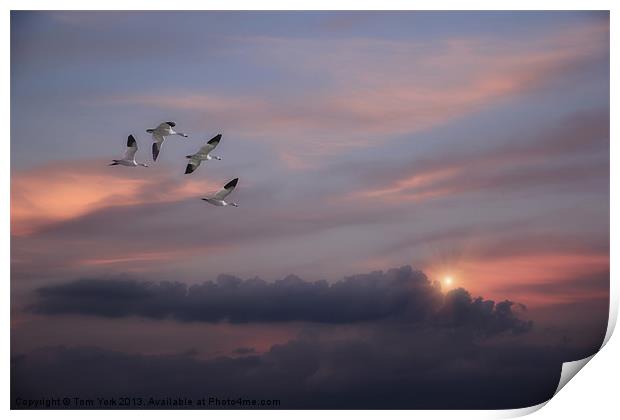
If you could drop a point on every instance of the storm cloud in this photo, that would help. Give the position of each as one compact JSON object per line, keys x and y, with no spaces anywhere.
{"x":399,"y":294}
{"x":395,"y":368}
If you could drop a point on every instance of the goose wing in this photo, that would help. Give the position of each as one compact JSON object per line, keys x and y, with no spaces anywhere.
{"x":165,"y":126}
{"x":132,"y":148}
{"x":211,"y":144}
{"x":228,"y":188}
{"x":192,"y":165}
{"x":158,"y":140}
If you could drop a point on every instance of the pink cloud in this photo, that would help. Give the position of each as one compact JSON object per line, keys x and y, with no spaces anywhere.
{"x":490,"y":276}
{"x":369,"y":89}
{"x":65,"y":190}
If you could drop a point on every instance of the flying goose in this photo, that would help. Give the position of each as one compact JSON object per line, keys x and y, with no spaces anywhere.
{"x":130,"y":154}
{"x":203,"y":154}
{"x":160,"y":133}
{"x":217,"y":199}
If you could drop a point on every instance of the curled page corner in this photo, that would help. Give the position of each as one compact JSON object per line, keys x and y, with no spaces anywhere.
{"x":570,"y":369}
{"x":613,"y":313}
{"x":520,"y":412}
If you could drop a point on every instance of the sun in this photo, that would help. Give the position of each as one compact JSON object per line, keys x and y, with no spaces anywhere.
{"x":448,"y":280}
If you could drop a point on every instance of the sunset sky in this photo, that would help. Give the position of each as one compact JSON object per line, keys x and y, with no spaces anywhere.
{"x":469,"y":145}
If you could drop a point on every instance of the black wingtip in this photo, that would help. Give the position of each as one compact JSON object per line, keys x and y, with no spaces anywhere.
{"x":232,"y":183}
{"x":171,"y":123}
{"x":189,"y":169}
{"x":155,"y":152}
{"x":131,"y":141}
{"x":215,"y":139}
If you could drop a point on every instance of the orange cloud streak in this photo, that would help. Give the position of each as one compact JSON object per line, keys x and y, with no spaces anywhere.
{"x":415,"y":181}
{"x":126,"y":260}
{"x":65,"y":190}
{"x":488,"y":276}
{"x":371,"y":89}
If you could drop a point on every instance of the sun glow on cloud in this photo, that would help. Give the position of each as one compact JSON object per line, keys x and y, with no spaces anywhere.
{"x":490,"y":276}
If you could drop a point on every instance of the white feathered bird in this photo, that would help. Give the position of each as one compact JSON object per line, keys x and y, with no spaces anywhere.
{"x":217,"y":199}
{"x":130,"y":154}
{"x":203,"y":154}
{"x":160,"y":133}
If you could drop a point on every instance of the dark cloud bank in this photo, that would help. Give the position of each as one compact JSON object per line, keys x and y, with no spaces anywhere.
{"x":417,"y":347}
{"x":398,"y":295}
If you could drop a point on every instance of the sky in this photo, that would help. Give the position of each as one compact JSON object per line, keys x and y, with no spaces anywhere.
{"x":378,"y":155}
